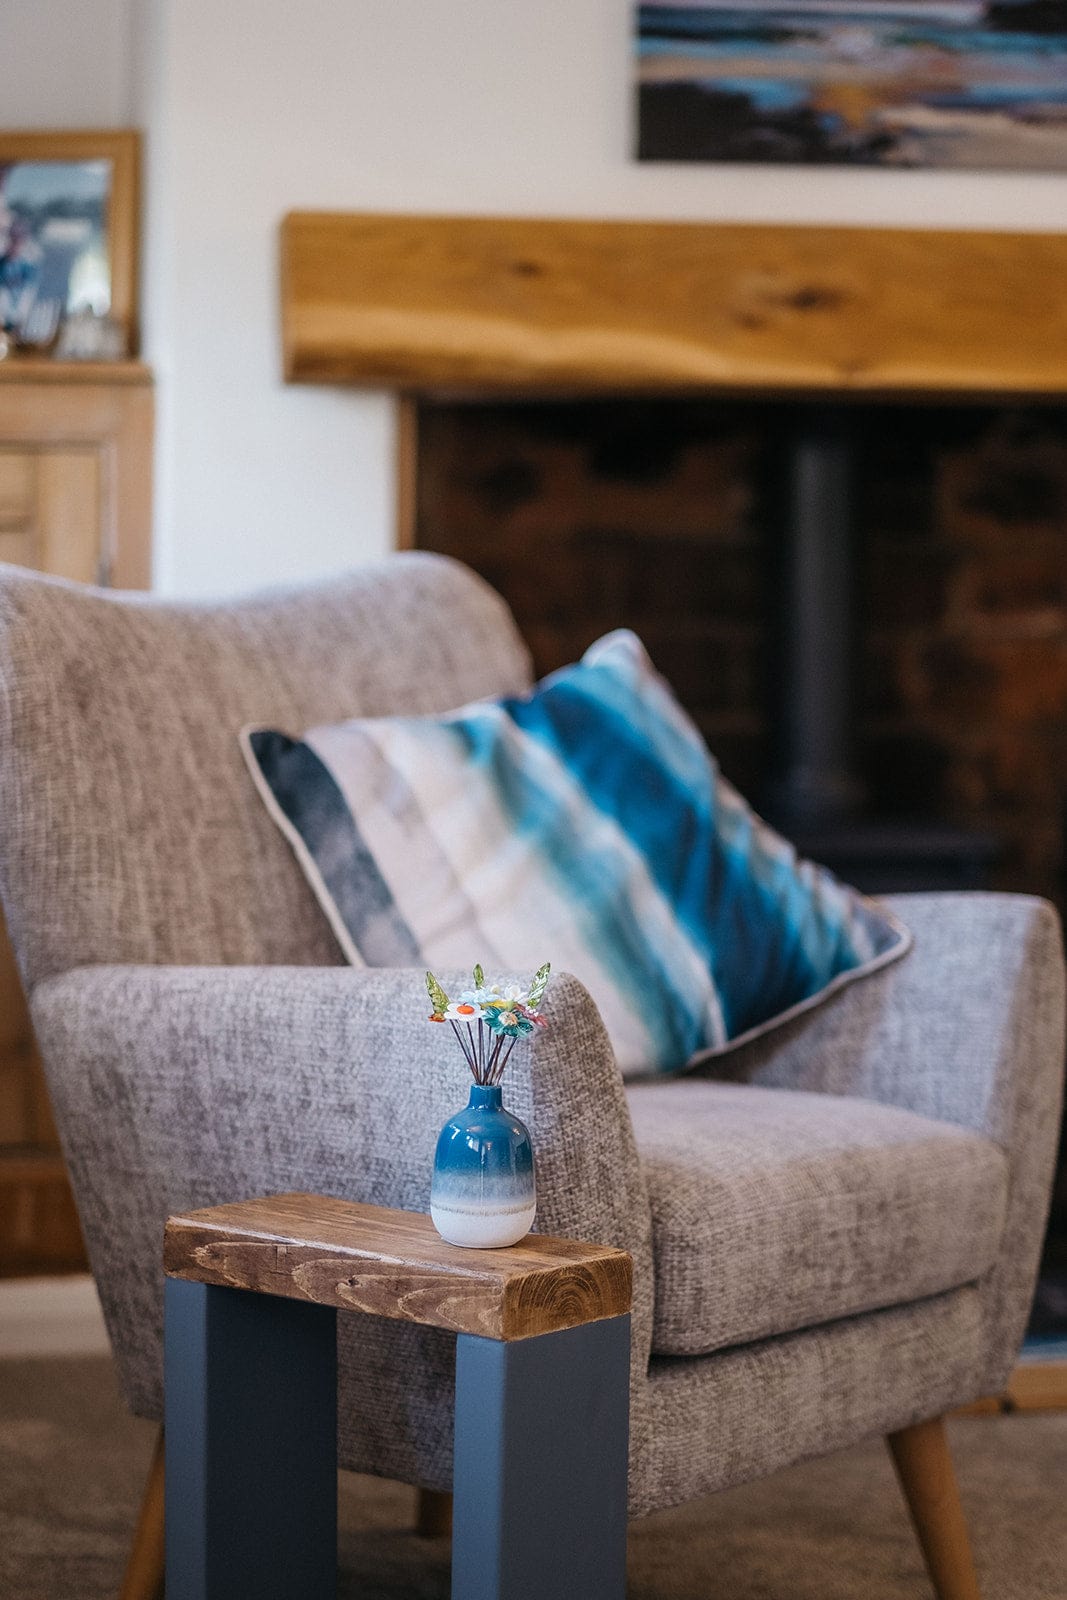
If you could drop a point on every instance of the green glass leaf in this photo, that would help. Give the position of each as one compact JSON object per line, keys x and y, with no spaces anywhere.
{"x":539,"y":984}
{"x":436,"y":993}
{"x":479,"y":978}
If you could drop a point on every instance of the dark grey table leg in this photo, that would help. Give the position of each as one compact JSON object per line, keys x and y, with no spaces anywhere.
{"x":251,"y":1443}
{"x":542,"y":1431}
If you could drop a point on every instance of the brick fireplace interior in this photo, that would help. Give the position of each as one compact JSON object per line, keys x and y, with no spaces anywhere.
{"x":666,"y":516}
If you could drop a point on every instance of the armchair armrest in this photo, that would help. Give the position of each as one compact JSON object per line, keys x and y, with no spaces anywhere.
{"x":966,"y":1028}
{"x":179,"y":1087}
{"x":246,"y":1077}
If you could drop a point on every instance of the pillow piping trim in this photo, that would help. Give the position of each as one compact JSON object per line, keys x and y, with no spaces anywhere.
{"x":886,"y":958}
{"x":308,"y":864}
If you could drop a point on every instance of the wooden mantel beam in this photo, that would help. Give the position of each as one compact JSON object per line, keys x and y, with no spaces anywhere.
{"x":521,"y":306}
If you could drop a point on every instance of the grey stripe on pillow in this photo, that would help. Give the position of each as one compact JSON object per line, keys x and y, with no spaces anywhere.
{"x":309,"y":799}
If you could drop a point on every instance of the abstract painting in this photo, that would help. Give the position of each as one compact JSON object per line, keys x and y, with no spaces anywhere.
{"x":896,"y":83}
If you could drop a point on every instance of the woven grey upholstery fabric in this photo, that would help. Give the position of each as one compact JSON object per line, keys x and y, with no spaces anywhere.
{"x":969,"y":1029}
{"x":774,"y":1210}
{"x":189,"y":1086}
{"x":183,"y":1087}
{"x":132,"y":836}
{"x":713,"y":1421}
{"x":132,"y":831}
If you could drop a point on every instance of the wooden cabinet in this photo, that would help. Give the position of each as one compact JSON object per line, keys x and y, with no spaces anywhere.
{"x":75,"y":500}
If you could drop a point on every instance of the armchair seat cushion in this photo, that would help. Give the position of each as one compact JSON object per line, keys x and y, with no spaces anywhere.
{"x":774,"y":1210}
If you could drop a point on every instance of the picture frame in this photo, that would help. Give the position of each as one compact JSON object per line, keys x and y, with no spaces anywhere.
{"x":69,"y":227}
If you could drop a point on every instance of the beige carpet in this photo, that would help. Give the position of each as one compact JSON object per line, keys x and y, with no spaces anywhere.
{"x":71,"y":1465}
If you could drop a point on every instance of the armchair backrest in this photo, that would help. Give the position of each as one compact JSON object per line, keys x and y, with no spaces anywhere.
{"x":129,"y":828}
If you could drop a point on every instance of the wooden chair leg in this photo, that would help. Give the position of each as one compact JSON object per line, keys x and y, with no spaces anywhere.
{"x":144,"y":1569}
{"x":433,"y":1514}
{"x":924,"y":1467}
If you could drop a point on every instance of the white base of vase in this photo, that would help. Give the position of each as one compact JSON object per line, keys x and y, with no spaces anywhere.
{"x":488,"y":1230}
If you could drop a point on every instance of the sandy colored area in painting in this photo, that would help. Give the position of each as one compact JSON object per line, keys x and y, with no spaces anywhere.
{"x":936,"y":71}
{"x":928,"y":137}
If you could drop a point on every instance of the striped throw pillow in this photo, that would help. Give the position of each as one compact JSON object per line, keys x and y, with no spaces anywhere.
{"x":584,"y":822}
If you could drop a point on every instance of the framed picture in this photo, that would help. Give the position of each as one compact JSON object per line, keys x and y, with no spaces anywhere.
{"x":891,"y":83}
{"x":68,"y":237}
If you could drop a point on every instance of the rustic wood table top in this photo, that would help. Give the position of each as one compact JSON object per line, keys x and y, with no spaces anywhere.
{"x":395,"y":1264}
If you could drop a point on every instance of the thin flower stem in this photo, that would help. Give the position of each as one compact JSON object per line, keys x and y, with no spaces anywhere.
{"x":481,"y":1048}
{"x":472,"y":1058}
{"x":507,"y":1058}
{"x":462,"y":1044}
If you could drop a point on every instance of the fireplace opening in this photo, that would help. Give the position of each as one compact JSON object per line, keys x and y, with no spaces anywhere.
{"x":864,"y":610}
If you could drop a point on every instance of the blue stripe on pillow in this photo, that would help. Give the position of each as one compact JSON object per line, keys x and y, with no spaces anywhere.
{"x":706,"y":876}
{"x":723,"y":909}
{"x":593,"y":882}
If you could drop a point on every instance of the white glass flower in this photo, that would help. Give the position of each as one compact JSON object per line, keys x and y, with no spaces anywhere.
{"x":461,"y":1011}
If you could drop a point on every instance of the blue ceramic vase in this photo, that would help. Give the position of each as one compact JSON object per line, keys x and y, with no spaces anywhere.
{"x":482,"y":1195}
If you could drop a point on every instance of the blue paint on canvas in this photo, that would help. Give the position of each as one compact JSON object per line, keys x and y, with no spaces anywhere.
{"x":904,"y":83}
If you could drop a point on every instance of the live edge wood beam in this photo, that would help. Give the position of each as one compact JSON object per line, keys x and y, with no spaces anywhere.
{"x":526,"y":306}
{"x":394,"y":1264}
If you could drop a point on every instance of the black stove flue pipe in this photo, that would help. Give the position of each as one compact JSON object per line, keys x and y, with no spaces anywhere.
{"x":815,"y":786}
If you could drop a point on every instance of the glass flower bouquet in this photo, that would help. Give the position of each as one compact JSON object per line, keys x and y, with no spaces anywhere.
{"x":483,"y":1193}
{"x":501,"y":1015}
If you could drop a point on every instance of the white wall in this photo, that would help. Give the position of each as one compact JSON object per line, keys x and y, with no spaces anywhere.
{"x":482,"y":105}
{"x":256,"y":107}
{"x":66,"y":63}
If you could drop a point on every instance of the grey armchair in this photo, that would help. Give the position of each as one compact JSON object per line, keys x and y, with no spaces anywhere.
{"x":835,"y":1237}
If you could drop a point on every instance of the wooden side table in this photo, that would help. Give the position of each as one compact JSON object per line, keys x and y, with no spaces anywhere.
{"x":542,"y":1398}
